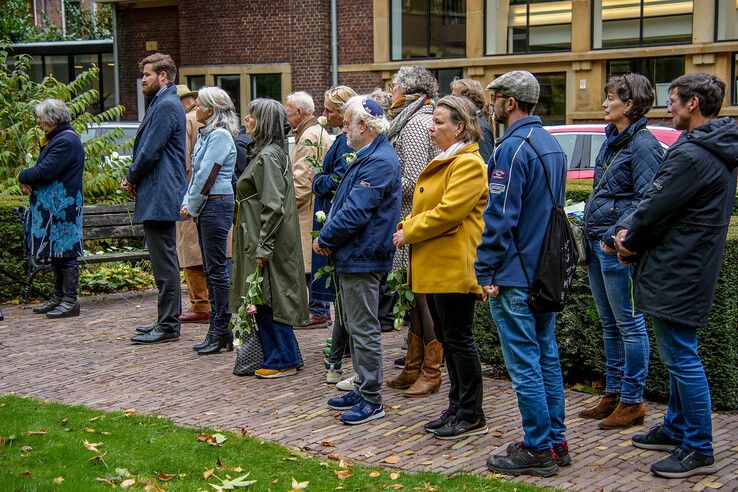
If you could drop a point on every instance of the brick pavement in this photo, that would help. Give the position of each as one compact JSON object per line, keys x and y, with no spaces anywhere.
{"x":88,"y":360}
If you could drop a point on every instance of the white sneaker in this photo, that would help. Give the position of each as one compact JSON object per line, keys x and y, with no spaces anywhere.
{"x":333,"y":376}
{"x":346,"y":384}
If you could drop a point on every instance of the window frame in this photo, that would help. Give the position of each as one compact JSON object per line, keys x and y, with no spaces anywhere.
{"x":715,"y":28}
{"x":608,"y":72}
{"x":428,"y":26}
{"x":640,"y":31}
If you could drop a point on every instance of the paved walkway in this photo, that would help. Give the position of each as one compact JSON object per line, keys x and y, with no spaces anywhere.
{"x":88,"y":360}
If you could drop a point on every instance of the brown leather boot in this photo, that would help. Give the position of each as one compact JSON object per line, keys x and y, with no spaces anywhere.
{"x":413,"y":361}
{"x":625,"y":415}
{"x":604,"y":407}
{"x":430,"y":374}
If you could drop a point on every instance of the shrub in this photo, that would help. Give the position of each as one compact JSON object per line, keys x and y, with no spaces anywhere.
{"x":579,"y":335}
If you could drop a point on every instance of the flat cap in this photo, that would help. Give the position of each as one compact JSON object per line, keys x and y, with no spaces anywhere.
{"x":519,"y":84}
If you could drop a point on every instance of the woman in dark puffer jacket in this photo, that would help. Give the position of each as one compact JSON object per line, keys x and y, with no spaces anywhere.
{"x":625,"y":166}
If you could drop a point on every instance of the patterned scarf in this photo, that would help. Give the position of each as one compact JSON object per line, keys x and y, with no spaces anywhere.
{"x":401,"y":112}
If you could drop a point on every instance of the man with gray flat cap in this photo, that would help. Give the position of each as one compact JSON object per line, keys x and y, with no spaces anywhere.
{"x":527,"y":176}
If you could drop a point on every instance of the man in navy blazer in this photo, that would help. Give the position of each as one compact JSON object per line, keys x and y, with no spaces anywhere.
{"x":157,"y":178}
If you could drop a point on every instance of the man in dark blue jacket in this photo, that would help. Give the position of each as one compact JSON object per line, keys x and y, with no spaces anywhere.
{"x":527,"y":170}
{"x":358,"y":234}
{"x":679,"y":229}
{"x":157,"y":177}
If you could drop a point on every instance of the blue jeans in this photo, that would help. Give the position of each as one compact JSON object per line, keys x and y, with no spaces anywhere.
{"x":688,"y":418}
{"x":532,"y":359}
{"x":277,"y":341}
{"x":213,"y":224}
{"x":624,"y":334}
{"x":316,"y":307}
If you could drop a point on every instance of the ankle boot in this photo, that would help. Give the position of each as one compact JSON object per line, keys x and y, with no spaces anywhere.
{"x":67,"y":308}
{"x":625,"y":415}
{"x":430,"y":374}
{"x":604,"y":407}
{"x":413,"y":361}
{"x":204,"y":343}
{"x":49,"y":305}
{"x":218,"y":342}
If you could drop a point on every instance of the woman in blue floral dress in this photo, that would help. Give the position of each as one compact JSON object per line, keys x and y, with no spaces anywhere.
{"x":54,"y":221}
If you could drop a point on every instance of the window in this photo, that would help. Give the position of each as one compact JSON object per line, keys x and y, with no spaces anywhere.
{"x":107,"y":76}
{"x":660,"y":71}
{"x":527,"y":26}
{"x":734,"y":101}
{"x":195,"y":82}
{"x":266,"y":85}
{"x":551,"y":105}
{"x":57,"y":66}
{"x":626,"y":23}
{"x":568,"y":143}
{"x":427,"y":29}
{"x":445,"y":76}
{"x":232,"y":85}
{"x":726,"y":20}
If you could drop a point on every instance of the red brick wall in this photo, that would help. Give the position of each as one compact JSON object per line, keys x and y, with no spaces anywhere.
{"x":135,"y":27}
{"x":355,"y":32}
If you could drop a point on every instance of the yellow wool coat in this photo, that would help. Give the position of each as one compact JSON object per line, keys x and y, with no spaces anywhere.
{"x":446,"y":224}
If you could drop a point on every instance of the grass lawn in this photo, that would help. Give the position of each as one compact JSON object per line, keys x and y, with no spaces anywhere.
{"x":50,"y":446}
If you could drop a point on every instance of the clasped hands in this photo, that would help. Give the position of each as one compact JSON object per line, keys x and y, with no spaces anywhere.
{"x":320,"y":250}
{"x":129,"y":187}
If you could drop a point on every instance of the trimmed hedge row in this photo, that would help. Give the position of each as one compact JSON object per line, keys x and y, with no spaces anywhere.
{"x":579,"y":336}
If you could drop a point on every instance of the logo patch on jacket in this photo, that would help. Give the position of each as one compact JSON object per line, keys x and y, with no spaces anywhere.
{"x":499,"y":174}
{"x":364,"y":184}
{"x":496,"y":189}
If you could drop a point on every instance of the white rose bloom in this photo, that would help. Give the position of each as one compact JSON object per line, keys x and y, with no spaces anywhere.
{"x":322,"y":121}
{"x":114,"y":155}
{"x":320,"y":216}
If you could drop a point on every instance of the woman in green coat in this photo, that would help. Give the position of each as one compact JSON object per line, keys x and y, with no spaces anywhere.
{"x":267,"y":233}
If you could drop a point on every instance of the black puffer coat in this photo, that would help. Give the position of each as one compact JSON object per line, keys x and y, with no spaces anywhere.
{"x":681,"y":224}
{"x":624,"y":168}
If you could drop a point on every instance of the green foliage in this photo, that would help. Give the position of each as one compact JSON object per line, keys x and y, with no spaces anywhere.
{"x":397,"y":282}
{"x":578,"y":190}
{"x":92,"y":450}
{"x":579,"y":336}
{"x":85,"y":23}
{"x":16,"y":23}
{"x":116,"y":276}
{"x":19,"y":132}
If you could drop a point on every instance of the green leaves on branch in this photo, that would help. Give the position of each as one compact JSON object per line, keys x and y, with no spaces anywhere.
{"x":397,"y":281}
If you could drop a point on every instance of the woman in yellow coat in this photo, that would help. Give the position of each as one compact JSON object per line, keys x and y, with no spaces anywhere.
{"x":443,"y":233}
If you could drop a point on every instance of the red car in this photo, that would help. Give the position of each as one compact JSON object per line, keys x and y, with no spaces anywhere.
{"x":582,"y":144}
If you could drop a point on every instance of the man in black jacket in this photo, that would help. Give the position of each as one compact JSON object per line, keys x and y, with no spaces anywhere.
{"x":679,"y":229}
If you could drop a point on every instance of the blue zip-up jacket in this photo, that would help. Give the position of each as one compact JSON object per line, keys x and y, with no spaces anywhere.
{"x":519,"y":203}
{"x":623,"y":170}
{"x":366,"y":211}
{"x":216,"y":147}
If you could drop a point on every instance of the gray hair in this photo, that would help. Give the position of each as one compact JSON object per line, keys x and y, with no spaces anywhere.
{"x":302,"y":100}
{"x":224,"y":114}
{"x":413,"y":79}
{"x":384,"y":98}
{"x":375,"y":124}
{"x":271,"y":119}
{"x":53,"y":112}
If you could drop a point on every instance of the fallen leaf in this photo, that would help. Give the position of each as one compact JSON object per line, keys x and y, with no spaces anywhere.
{"x":105,"y":433}
{"x":58,"y":480}
{"x":218,"y":488}
{"x":152,"y":487}
{"x":427,"y":463}
{"x":64,"y":421}
{"x":374,"y":474}
{"x":92,"y":446}
{"x":127,"y":483}
{"x":238,"y":469}
{"x":105,"y":480}
{"x":334,"y":457}
{"x":88,"y":429}
{"x":25,"y":473}
{"x":218,"y":463}
{"x":327,"y":444}
{"x":206,"y":474}
{"x":397,"y":486}
{"x":26,"y":449}
{"x":395,"y":475}
{"x":238,"y":482}
{"x":343,"y":474}
{"x":430,"y":488}
{"x":342,"y":464}
{"x":2,"y":440}
{"x":395,"y":407}
{"x":291,"y":458}
{"x":129,"y":412}
{"x":275,"y":480}
{"x":98,"y":457}
{"x":121,"y":473}
{"x":219,"y":439}
{"x":243,"y":432}
{"x":408,"y":452}
{"x":204,"y":437}
{"x":368,"y":455}
{"x":392,"y":460}
{"x":95,"y":418}
{"x":298,"y":485}
{"x":165,"y":477}
{"x":323,"y":464}
{"x":39,"y":432}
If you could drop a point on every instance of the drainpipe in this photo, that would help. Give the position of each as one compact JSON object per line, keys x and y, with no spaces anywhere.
{"x":35,"y":13}
{"x":116,"y":70}
{"x":334,"y":44}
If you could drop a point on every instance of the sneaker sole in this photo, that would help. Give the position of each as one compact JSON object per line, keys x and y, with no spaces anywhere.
{"x":277,"y":376}
{"x":702,"y":470}
{"x":336,"y":407}
{"x":475,"y":432}
{"x":368,"y":419}
{"x":538,"y":472}
{"x":654,"y":447}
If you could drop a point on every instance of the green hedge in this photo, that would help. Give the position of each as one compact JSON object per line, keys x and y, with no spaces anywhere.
{"x":579,"y":335}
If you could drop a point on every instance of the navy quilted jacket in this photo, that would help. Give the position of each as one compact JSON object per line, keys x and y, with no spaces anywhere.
{"x":624,"y":168}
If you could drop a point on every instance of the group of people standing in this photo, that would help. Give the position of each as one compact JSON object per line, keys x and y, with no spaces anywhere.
{"x":417,"y":182}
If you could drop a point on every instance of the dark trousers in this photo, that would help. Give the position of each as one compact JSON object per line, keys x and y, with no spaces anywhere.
{"x":161,"y":241}
{"x":319,"y":308}
{"x":277,"y":341}
{"x":66,"y":276}
{"x":213,"y":225}
{"x":454,"y":314}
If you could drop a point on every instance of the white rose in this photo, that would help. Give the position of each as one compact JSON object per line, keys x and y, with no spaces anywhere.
{"x":320,"y":216}
{"x":114,"y":155}
{"x":322,"y":121}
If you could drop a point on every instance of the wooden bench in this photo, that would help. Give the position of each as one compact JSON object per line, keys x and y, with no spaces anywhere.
{"x":98,"y":222}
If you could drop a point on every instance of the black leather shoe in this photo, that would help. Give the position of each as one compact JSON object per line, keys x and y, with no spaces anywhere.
{"x":444,"y":419}
{"x":67,"y":308}
{"x":217,"y":343}
{"x":155,"y":336}
{"x":49,"y":305}
{"x":204,"y":343}
{"x":145,"y":328}
{"x":458,"y":428}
